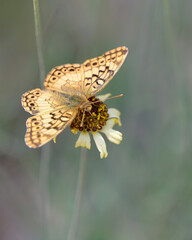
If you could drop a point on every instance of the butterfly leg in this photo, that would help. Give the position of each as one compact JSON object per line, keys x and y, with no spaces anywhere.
{"x":81,"y":125}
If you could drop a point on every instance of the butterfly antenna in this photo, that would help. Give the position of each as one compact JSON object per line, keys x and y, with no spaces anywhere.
{"x":120,"y":95}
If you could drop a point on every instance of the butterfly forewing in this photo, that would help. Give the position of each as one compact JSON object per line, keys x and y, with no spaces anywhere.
{"x":88,"y":78}
{"x":65,"y":78}
{"x":99,"y":71}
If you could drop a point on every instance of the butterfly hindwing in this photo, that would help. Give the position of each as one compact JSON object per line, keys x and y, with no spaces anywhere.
{"x":37,"y":101}
{"x":44,"y":127}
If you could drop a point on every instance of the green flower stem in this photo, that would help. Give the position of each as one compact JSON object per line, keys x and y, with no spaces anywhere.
{"x":44,"y":191}
{"x":79,"y":191}
{"x":38,"y":40}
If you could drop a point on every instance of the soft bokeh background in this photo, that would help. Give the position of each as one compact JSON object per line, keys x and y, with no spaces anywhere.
{"x":143,"y":190}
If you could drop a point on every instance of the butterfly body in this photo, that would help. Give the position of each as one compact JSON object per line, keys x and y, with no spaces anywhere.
{"x":68,"y":89}
{"x":68,"y":99}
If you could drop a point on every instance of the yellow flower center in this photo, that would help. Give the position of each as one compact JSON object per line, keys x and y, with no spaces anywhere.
{"x":92,"y":120}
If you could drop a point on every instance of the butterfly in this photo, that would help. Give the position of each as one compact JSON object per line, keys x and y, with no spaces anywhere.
{"x":67,"y":89}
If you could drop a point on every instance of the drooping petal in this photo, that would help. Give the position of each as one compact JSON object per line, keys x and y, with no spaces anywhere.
{"x":111,"y":123}
{"x":101,"y":145}
{"x":83,"y":140}
{"x":114,"y":114}
{"x":112,"y":135}
{"x":104,"y":97}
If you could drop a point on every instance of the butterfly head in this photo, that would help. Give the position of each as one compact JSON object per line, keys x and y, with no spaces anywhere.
{"x":86,"y":105}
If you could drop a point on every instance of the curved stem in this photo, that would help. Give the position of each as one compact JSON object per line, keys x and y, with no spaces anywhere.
{"x":78,"y":197}
{"x":38,"y":40}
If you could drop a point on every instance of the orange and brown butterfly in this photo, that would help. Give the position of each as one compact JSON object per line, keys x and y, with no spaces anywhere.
{"x":68,"y":89}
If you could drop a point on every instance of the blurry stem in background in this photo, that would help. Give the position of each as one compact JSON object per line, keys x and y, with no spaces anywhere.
{"x":179,"y":84}
{"x":77,"y":204}
{"x":169,"y":32}
{"x":45,"y":152}
{"x":38,"y":40}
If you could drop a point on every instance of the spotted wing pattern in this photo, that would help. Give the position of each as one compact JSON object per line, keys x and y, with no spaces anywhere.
{"x":38,"y":101}
{"x":65,"y":78}
{"x":44,"y":127}
{"x":100,"y":70}
{"x":70,"y":81}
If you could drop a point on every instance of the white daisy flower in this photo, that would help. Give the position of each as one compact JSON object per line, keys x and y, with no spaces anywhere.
{"x":98,"y":120}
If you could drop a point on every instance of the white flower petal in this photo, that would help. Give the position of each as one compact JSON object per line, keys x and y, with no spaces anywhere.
{"x":115,"y":114}
{"x":104,"y":97}
{"x":100,"y":143}
{"x":110,"y":123}
{"x":83,"y":140}
{"x":112,"y":135}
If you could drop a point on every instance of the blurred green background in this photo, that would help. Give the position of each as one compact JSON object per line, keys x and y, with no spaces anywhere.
{"x":143,"y":190}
